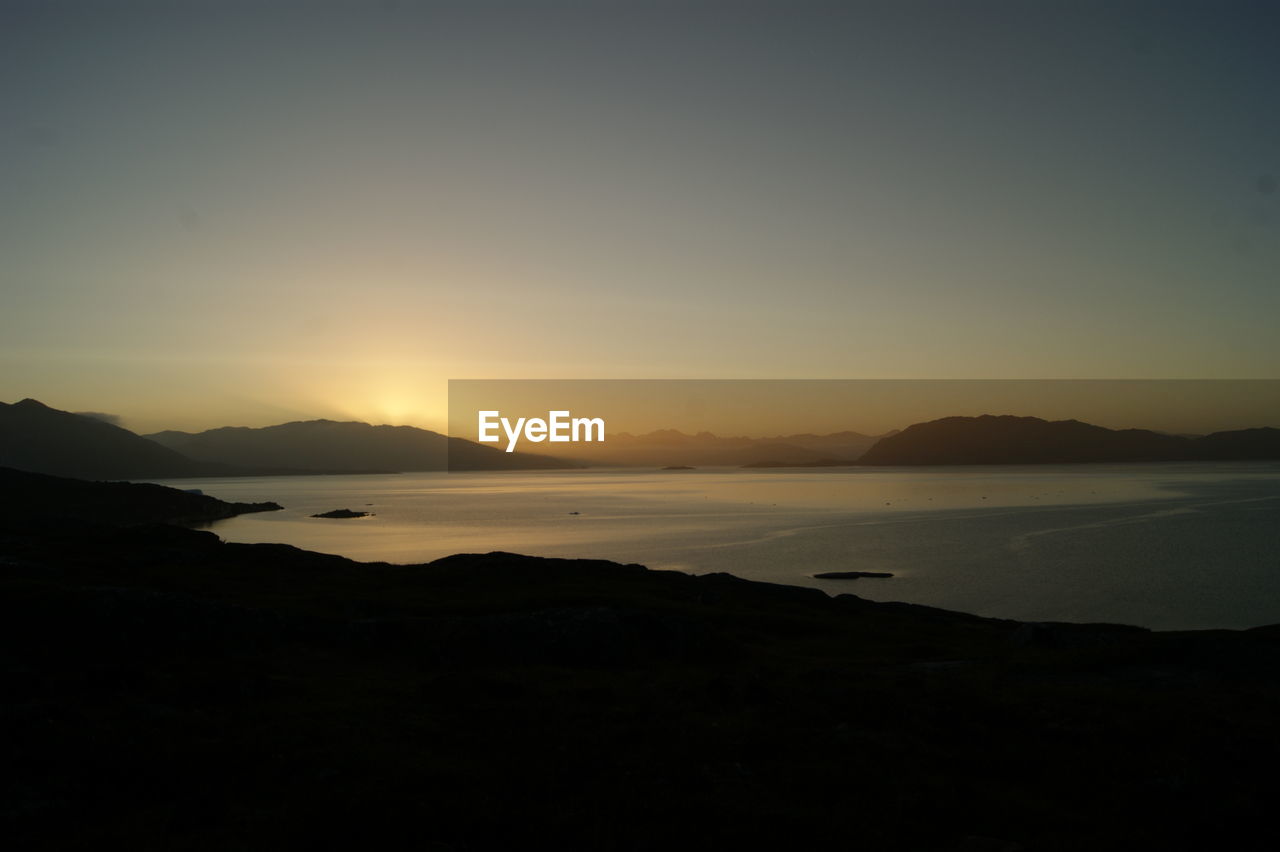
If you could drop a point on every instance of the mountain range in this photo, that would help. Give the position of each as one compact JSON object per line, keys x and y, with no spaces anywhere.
{"x":35,"y":437}
{"x":345,"y":447}
{"x":1007,"y":439}
{"x":665,"y":447}
{"x":40,"y":439}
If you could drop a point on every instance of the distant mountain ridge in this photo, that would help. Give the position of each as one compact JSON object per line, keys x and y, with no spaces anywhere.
{"x":1008,"y":439}
{"x":345,"y":446}
{"x":37,"y":438}
{"x":664,"y":447}
{"x":40,"y":439}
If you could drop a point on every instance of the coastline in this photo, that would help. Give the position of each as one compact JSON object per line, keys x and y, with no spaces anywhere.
{"x":1167,"y":547}
{"x":197,"y":693}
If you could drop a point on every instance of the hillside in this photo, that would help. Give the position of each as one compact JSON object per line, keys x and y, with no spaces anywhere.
{"x":1242,"y":444}
{"x":32,"y":498}
{"x":38,"y":438}
{"x":1007,"y":439}
{"x":327,"y":445}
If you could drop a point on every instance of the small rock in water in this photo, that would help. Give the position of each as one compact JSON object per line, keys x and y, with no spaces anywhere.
{"x":342,"y":513}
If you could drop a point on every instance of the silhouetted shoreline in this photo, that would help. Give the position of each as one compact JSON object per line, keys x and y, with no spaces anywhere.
{"x":204,"y":695}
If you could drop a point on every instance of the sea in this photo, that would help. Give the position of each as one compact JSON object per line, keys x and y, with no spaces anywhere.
{"x":1176,"y":546}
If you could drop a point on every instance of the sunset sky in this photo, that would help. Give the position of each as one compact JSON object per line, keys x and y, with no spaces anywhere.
{"x":217,"y":213}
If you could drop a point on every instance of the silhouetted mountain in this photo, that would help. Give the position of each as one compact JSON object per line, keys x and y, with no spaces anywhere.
{"x":38,"y":438}
{"x":1243,"y":444}
{"x":1020,"y":440}
{"x":1008,"y":439}
{"x":316,"y":445}
{"x":27,"y":498}
{"x":665,"y":447}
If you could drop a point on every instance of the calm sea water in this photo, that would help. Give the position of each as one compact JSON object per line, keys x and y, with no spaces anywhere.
{"x":1169,"y":546}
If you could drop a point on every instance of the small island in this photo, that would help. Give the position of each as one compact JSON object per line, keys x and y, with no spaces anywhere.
{"x":679,"y":467}
{"x":343,"y":513}
{"x":850,"y":575}
{"x":824,"y":462}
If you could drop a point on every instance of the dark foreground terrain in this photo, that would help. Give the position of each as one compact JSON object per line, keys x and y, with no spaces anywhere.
{"x":164,"y":690}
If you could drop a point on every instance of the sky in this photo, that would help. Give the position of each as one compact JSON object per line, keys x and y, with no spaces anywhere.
{"x":780,"y":407}
{"x":232,"y":213}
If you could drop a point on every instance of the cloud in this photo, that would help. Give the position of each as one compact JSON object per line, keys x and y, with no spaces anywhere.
{"x":113,"y":419}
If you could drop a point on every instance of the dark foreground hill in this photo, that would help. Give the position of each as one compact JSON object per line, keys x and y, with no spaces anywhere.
{"x":35,"y":437}
{"x":32,"y":498}
{"x":165,"y":690}
{"x":345,"y":446}
{"x":1008,"y":439}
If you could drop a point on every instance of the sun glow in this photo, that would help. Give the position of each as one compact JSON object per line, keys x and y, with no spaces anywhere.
{"x":390,"y":405}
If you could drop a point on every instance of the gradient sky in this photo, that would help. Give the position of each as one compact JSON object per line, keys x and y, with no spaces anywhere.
{"x":217,"y":213}
{"x":772,"y":407}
